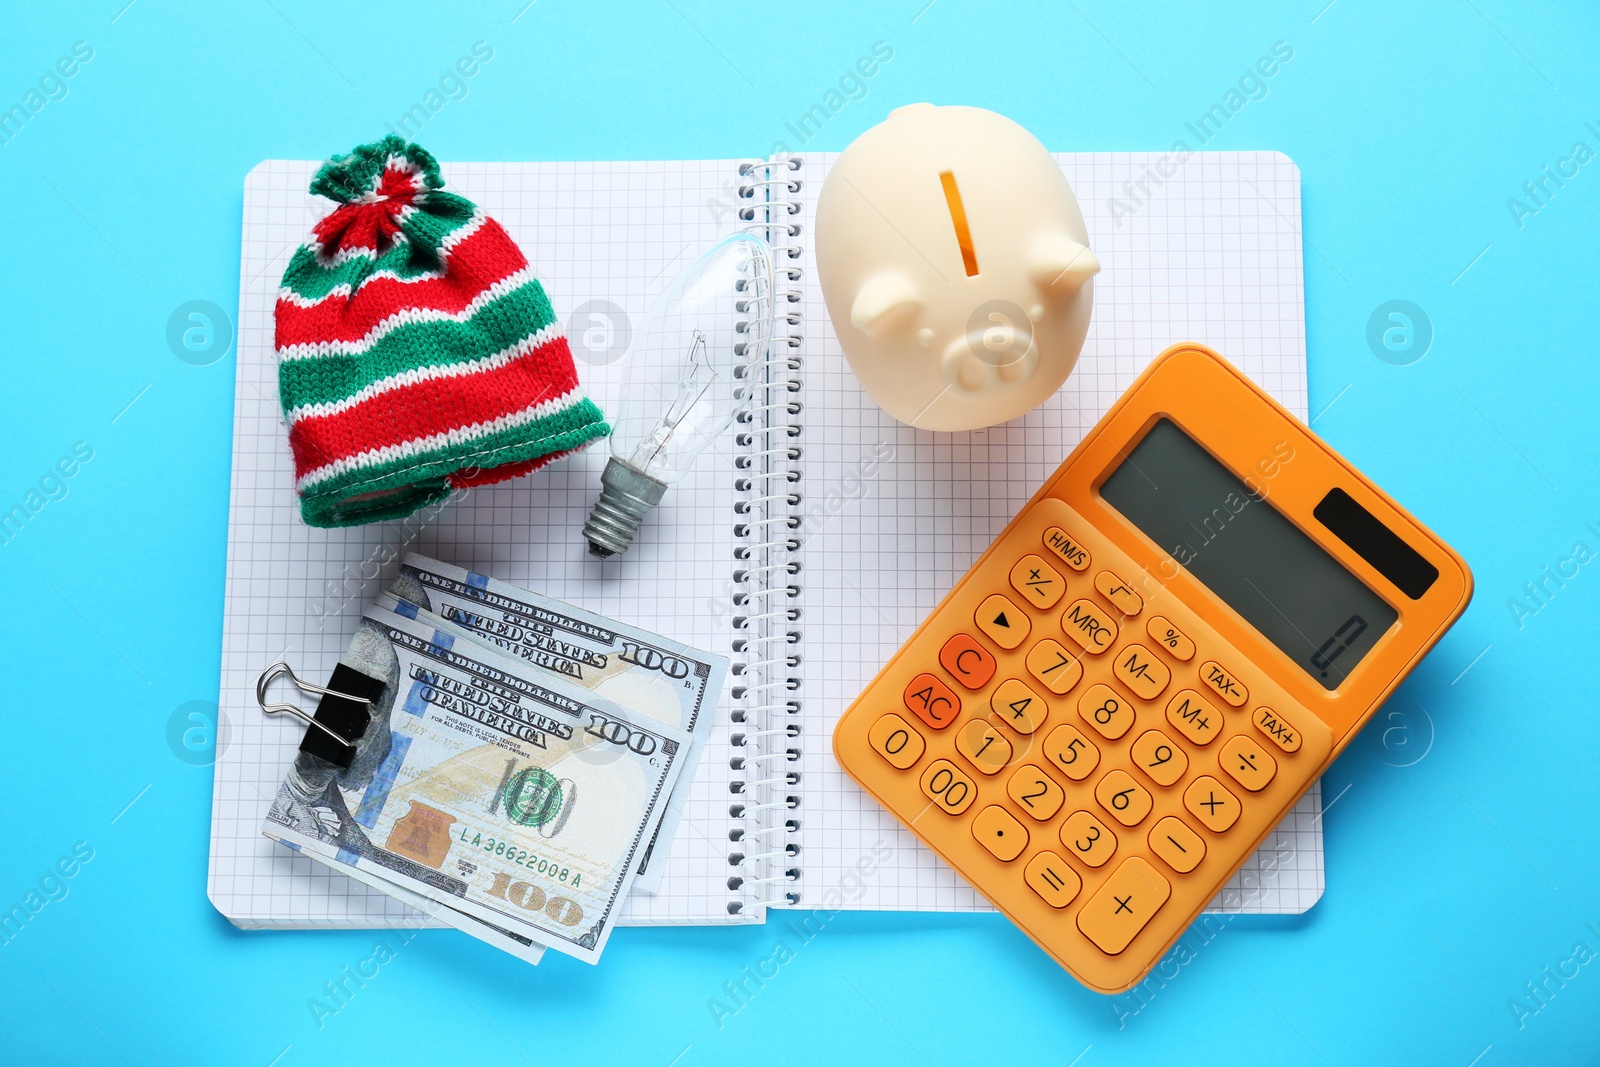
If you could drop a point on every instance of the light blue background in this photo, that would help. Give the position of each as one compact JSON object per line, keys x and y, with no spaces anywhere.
{"x":1451,"y":882}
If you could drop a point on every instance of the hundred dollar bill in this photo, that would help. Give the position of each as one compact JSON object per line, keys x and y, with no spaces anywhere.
{"x":511,"y":796}
{"x":673,"y":683}
{"x":518,"y":945}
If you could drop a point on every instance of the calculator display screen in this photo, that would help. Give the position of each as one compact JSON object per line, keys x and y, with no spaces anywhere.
{"x":1246,"y":552}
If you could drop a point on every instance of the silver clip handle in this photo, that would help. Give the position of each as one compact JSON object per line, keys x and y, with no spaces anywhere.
{"x":282,"y":668}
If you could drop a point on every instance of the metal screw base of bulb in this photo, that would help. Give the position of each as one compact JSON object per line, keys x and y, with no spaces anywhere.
{"x":626,"y":497}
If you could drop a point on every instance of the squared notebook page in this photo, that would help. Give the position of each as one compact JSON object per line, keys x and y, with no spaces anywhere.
{"x":615,"y":233}
{"x":1214,"y":256}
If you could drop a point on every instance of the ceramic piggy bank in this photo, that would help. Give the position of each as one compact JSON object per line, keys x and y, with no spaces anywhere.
{"x":955,"y":265}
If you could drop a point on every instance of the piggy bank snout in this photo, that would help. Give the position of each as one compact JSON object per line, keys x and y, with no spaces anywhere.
{"x":996,"y":353}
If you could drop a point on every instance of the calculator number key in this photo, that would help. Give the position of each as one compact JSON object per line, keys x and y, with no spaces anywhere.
{"x":1110,"y":714}
{"x":1171,"y":640}
{"x":1000,"y":833}
{"x":1247,"y":763}
{"x":1223,"y":683}
{"x":1071,"y":753}
{"x":1159,"y":757}
{"x":948,"y":787}
{"x":1005,"y":623}
{"x":1192,"y":717}
{"x":896,"y":741}
{"x":1087,"y":838}
{"x":1209,"y":801}
{"x":1039,"y":583}
{"x":1053,"y":665}
{"x":982,"y":744}
{"x":1048,"y":875}
{"x":1090,"y":627}
{"x":1018,"y":706}
{"x":932,"y":701}
{"x":1126,"y":800}
{"x":1124,"y":905}
{"x":1035,"y":792}
{"x":1119,"y":592}
{"x":1139,"y":670}
{"x":968,"y":662}
{"x":1178,"y":846}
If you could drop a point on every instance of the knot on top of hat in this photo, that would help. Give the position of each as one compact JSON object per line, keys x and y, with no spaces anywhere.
{"x":379,"y":188}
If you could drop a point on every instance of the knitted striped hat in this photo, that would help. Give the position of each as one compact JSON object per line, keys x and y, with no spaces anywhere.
{"x":417,"y":352}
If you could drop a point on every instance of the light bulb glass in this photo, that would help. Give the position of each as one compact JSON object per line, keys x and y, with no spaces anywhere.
{"x":686,"y":377}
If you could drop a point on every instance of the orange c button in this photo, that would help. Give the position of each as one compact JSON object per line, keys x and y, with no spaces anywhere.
{"x":969,"y":662}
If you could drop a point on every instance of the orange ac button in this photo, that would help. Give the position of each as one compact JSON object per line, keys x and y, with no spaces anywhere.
{"x":932,"y":701}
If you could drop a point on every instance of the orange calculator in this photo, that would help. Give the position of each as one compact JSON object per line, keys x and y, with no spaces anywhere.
{"x":1150,"y":665}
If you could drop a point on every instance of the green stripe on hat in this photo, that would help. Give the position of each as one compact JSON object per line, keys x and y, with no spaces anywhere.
{"x":494,"y":327}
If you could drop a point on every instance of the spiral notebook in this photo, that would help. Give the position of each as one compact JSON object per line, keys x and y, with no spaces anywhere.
{"x":806,"y":547}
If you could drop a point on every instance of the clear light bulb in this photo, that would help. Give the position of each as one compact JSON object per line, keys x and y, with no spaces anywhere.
{"x":685,"y":378}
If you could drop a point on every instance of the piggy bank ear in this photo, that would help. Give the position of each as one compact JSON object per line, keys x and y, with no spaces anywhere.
{"x":1059,"y":262}
{"x":886,"y":301}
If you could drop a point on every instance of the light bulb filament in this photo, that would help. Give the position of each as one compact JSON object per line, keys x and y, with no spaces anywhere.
{"x":701,"y":377}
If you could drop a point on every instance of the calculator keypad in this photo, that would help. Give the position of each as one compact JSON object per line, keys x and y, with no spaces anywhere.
{"x":1119,"y":593}
{"x":1019,"y":707}
{"x":1126,"y":800}
{"x":1090,"y":627}
{"x":984,"y":746}
{"x":1004,"y":623}
{"x":1129,"y":899}
{"x":1087,"y":838}
{"x":1173,"y":640}
{"x":897,"y":741}
{"x":999,"y":832}
{"x":1177,"y":844}
{"x":1247,"y":763}
{"x":968,"y":662}
{"x":933,"y":702}
{"x":1096,"y":775}
{"x":1190,"y":715}
{"x":1039,"y":584}
{"x":1036,"y":792}
{"x":1053,"y":665}
{"x":1053,"y":878}
{"x":1160,"y":757}
{"x":949,"y":787}
{"x":1222,"y":682}
{"x":1137,"y":668}
{"x":1071,"y":753}
{"x":1210,"y":801}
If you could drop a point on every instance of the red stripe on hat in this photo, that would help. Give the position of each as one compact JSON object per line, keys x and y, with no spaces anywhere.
{"x":480,"y":260}
{"x":433,"y":406}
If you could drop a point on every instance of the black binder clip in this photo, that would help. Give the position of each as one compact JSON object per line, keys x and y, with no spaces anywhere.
{"x":341,"y":717}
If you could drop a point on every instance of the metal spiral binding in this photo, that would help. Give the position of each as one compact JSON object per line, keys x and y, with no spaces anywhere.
{"x":765,"y":612}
